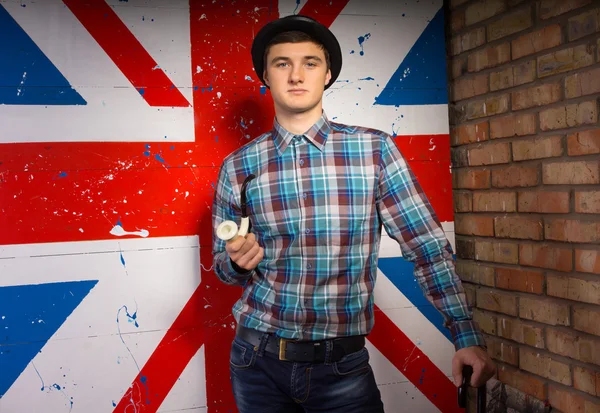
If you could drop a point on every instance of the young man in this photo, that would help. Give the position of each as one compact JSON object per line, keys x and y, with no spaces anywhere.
{"x":321,"y":193}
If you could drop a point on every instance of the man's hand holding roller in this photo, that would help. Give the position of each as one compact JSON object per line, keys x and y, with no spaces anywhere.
{"x":245,"y":252}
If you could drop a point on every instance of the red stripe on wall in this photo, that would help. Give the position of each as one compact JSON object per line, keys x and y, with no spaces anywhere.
{"x":127,"y":52}
{"x":413,"y":363}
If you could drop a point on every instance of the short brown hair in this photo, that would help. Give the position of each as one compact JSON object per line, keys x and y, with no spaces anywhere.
{"x":295,"y":37}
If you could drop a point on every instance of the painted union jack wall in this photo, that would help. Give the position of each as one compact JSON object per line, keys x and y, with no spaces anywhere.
{"x":115,"y":116}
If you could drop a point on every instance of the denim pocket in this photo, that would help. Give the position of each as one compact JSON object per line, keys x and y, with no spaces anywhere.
{"x":353,"y":363}
{"x":243,"y":355}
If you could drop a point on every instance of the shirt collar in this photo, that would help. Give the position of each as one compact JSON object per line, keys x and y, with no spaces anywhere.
{"x":317,"y":134}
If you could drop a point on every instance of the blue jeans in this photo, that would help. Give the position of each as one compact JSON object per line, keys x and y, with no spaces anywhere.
{"x":264,"y":384}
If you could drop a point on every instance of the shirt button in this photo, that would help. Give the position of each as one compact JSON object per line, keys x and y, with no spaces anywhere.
{"x":309,"y":266}
{"x":301,"y":162}
{"x":307,"y":231}
{"x":305,"y":195}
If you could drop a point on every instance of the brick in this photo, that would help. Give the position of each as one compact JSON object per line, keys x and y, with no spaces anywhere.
{"x":524,"y":72}
{"x":494,"y":300}
{"x":581,"y":84}
{"x":570,"y":402}
{"x":584,"y":143}
{"x":489,"y":154}
{"x":502,"y":79}
{"x":455,"y":3}
{"x":573,"y":345}
{"x":489,"y":57}
{"x":491,"y":106}
{"x":476,"y":132}
{"x":586,"y":380}
{"x":471,"y":271}
{"x":552,"y":8}
{"x":571,"y":288}
{"x":587,"y":261}
{"x":522,"y":381}
{"x":512,"y":125}
{"x":536,"y":96}
{"x":463,"y":201}
{"x":515,"y":176}
{"x":537,"y":148}
{"x":546,"y":256}
{"x":472,"y":39}
{"x":586,"y":319}
{"x":469,"y":224}
{"x":494,"y":201}
{"x":520,"y":280}
{"x":587,"y":202}
{"x":471,"y":179}
{"x":501,"y":252}
{"x":564,"y":60}
{"x":470,"y":294}
{"x":572,"y":230}
{"x":483,"y":10}
{"x":515,"y":330}
{"x":544,"y":310}
{"x":537,"y":41}
{"x":465,"y":249}
{"x":502,"y":350}
{"x":543,"y":365}
{"x":487,"y":322}
{"x":568,"y":116}
{"x":544,"y":202}
{"x":518,"y":227}
{"x":510,"y":23}
{"x":459,"y":157}
{"x":469,"y":87}
{"x":584,"y":24}
{"x":514,"y":75}
{"x":458,"y":66}
{"x":571,"y":173}
{"x":457,"y":20}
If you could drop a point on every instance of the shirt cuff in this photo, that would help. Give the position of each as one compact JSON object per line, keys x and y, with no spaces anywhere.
{"x":466,"y":334}
{"x":239,"y":269}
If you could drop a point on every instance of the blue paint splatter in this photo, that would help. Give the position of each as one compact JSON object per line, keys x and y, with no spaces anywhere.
{"x":172,"y":147}
{"x":367,"y":78}
{"x":297,"y":5}
{"x":195,"y":87}
{"x":263,"y":90}
{"x":361,"y":41}
{"x":146,"y":153}
{"x":351,"y":51}
{"x":62,"y":174}
{"x":243,"y":124}
{"x":114,"y":404}
{"x":217,"y":138}
{"x":142,"y":91}
{"x":159,"y":159}
{"x":122,"y":259}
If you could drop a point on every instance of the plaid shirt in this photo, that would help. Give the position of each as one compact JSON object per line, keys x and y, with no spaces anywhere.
{"x":317,"y":206}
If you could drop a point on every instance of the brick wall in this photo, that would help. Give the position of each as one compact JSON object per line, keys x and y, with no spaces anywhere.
{"x":524,"y":86}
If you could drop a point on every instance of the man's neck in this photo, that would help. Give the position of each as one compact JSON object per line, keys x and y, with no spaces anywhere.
{"x":299,"y":123}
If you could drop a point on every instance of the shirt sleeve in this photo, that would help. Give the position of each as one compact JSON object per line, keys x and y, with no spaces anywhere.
{"x":409,"y":219}
{"x":224,"y":208}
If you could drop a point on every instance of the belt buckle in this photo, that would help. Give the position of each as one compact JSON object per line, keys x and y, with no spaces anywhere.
{"x":282,"y":348}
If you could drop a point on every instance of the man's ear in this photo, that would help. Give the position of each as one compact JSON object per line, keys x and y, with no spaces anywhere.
{"x":328,"y":77}
{"x":266,"y":78}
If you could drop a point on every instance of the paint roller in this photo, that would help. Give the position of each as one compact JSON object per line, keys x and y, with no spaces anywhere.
{"x":462,"y":391}
{"x":228,"y":230}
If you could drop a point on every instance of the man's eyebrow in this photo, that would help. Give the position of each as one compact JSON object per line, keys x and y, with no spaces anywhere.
{"x":287,"y":59}
{"x":317,"y":58}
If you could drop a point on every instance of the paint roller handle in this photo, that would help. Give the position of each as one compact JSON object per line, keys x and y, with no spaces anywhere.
{"x":462,"y":391}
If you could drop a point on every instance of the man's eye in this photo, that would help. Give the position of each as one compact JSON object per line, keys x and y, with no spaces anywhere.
{"x":281,"y":64}
{"x":311,"y":64}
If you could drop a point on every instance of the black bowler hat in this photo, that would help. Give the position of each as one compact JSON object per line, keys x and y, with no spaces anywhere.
{"x":297,"y":23}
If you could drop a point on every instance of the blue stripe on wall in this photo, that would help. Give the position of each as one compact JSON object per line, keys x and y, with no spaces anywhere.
{"x":27,"y":76}
{"x":401,"y":273}
{"x":421,"y":77}
{"x":29,"y":316}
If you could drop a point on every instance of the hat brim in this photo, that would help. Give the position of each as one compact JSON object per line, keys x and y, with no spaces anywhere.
{"x":297,"y":23}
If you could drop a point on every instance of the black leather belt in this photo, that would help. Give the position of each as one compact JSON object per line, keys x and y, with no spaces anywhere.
{"x":303,"y":351}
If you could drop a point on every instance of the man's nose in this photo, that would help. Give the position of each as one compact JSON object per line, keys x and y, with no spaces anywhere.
{"x":297,"y":74}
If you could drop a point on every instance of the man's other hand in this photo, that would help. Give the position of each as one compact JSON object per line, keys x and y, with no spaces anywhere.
{"x":476,"y":357}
